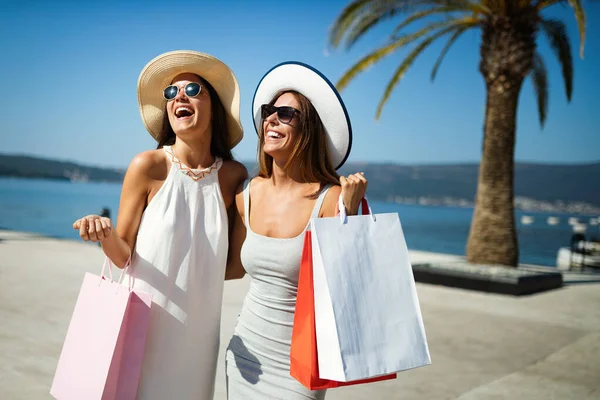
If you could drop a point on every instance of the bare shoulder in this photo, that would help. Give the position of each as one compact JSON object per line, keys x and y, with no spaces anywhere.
{"x":330,"y":201}
{"x":259,"y":187}
{"x":232,"y":175}
{"x":144,"y":175}
{"x":258,"y":182}
{"x":151,"y":165}
{"x":239,"y":199}
{"x":235,"y":169}
{"x":333,"y":193}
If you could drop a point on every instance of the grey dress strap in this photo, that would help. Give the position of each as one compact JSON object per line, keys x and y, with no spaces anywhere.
{"x":319,"y":203}
{"x":314,"y":214}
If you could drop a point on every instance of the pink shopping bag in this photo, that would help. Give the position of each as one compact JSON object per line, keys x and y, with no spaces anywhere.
{"x":102,"y":354}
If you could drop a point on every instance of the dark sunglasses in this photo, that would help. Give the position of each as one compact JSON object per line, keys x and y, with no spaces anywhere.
{"x":192,"y":89}
{"x":284,"y":114}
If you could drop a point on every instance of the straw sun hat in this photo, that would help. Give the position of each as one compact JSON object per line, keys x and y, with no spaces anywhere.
{"x":159,"y":73}
{"x":307,"y":80}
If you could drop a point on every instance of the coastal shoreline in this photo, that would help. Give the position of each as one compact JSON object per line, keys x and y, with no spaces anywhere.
{"x":522,"y":204}
{"x":453,"y":185}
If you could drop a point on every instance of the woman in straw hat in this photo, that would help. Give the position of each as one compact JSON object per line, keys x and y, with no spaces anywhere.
{"x":304,"y":137}
{"x":173,"y":222}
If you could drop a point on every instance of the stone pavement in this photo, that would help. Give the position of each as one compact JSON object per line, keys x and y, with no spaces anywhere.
{"x":483,"y":346}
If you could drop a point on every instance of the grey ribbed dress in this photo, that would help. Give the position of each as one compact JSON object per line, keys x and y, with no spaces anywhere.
{"x":258,"y":355}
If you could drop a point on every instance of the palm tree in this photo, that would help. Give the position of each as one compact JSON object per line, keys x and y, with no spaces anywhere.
{"x":508,"y":55}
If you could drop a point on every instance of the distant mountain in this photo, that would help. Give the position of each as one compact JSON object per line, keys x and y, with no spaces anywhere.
{"x":35,"y":167}
{"x":542,"y":182}
{"x":552,"y":187}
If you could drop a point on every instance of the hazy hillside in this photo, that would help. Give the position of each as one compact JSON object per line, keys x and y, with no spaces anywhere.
{"x":554,"y":184}
{"x":34,"y":167}
{"x":569,"y":183}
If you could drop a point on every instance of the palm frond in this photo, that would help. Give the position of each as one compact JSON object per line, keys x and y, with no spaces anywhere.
{"x":559,"y":41}
{"x":386,"y":50}
{"x":475,"y":7}
{"x":365,"y":23}
{"x":541,"y":4}
{"x":579,"y":17}
{"x":410,"y":58}
{"x":491,"y":4}
{"x":345,"y":21}
{"x":457,"y":33}
{"x":445,"y":7}
{"x":422,"y":14}
{"x":539,"y":77}
{"x":525,"y":4}
{"x":361,"y":15}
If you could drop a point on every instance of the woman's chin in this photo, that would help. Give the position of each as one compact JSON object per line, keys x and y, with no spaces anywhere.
{"x":189,"y":131}
{"x":276,"y":149}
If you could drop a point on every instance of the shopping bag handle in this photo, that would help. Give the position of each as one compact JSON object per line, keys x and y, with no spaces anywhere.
{"x":108,"y":262}
{"x":340,"y":209}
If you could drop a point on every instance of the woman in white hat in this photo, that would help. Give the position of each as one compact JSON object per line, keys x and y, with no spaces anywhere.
{"x":173,"y":222}
{"x":304,"y":137}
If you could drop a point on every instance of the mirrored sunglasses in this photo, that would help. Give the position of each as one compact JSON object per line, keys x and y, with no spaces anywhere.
{"x":192,"y":89}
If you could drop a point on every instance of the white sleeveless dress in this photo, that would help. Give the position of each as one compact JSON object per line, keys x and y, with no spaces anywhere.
{"x":180,"y":257}
{"x":258,"y":355}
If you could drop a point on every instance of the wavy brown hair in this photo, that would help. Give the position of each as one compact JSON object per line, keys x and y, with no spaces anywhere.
{"x":219,"y":142}
{"x":310,"y":152}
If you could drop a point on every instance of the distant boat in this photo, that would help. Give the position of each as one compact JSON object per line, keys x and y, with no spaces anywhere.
{"x":526,"y":220}
{"x":573,"y":221}
{"x":579,"y":228}
{"x":566,"y":258}
{"x":595,"y":221}
{"x":76,"y":176}
{"x":553,"y":220}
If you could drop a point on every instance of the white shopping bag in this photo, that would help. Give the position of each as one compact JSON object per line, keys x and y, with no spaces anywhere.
{"x":367,"y":315}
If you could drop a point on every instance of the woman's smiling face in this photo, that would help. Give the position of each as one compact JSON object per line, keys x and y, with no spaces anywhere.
{"x":189,"y":115}
{"x":279,"y":137}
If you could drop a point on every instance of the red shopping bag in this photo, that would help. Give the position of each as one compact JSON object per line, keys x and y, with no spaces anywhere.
{"x":304,"y":363}
{"x":102,"y":354}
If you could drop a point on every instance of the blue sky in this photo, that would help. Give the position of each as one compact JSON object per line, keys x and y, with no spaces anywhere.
{"x":70,"y":71}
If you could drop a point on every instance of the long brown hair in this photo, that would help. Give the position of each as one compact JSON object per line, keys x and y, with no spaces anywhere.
{"x":310,"y":152}
{"x":219,"y":142}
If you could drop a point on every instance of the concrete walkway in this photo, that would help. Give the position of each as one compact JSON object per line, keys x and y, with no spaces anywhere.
{"x":483,"y":346}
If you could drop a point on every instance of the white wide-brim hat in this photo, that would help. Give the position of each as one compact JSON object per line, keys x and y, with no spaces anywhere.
{"x":304,"y":79}
{"x":159,"y":73}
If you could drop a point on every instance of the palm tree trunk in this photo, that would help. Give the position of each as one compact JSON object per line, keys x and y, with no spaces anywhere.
{"x":493,"y":237}
{"x":507,"y":49}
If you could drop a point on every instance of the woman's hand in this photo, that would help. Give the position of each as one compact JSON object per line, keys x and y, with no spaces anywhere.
{"x":94,"y":228}
{"x":354,"y":188}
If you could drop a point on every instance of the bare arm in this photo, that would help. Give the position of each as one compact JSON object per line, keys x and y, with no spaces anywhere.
{"x":118,"y":244}
{"x":235,"y":269}
{"x":231,"y":175}
{"x":134,"y":196}
{"x":352,"y":188}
